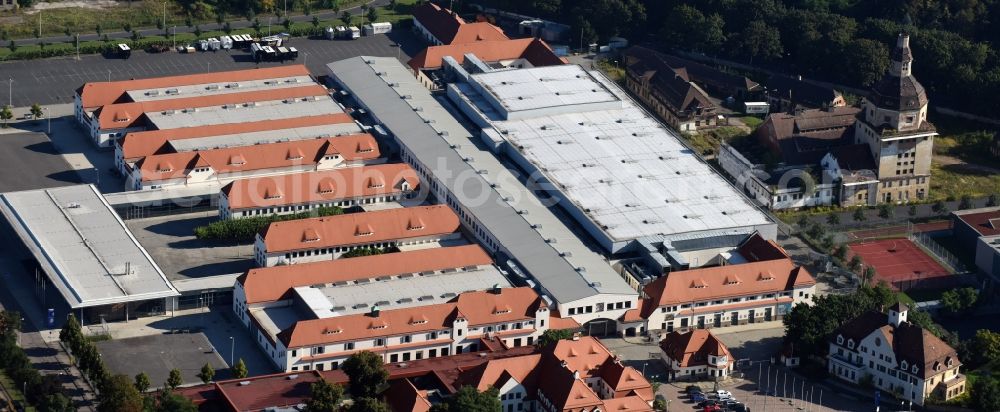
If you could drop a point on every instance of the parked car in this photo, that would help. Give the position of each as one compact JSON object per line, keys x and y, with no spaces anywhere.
{"x":712,"y":408}
{"x":739,"y":407}
{"x":692,"y":388}
{"x":707,"y":402}
{"x":698,"y":397}
{"x":728,"y":404}
{"x":724,"y":395}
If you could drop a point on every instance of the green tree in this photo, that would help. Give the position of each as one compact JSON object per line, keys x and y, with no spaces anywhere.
{"x":12,"y":46}
{"x":958,"y":301}
{"x":809,"y":327}
{"x":227,"y":28}
{"x":833,"y":219}
{"x":911,"y":211}
{"x":6,"y":113}
{"x":868,"y":275}
{"x":885,"y":211}
{"x":365,"y":251}
{"x":840,"y":252}
{"x":859,"y":215}
{"x":220,"y":16}
{"x":54,"y":402}
{"x":985,"y":347}
{"x":119,"y":395}
{"x":345,"y":17}
{"x":324,"y":396}
{"x":551,"y":336}
{"x":468,"y":399}
{"x":372,"y":14}
{"x":170,"y":402}
{"x":197,"y":31}
{"x":985,"y":394}
{"x":287,"y":23}
{"x":174,"y":380}
{"x":240,"y":369}
{"x":816,"y":231}
{"x":315,"y":21}
{"x":127,"y":27}
{"x":369,"y":404}
{"x":965,"y":202}
{"x":992,"y":201}
{"x":307,"y":7}
{"x":366,"y":374}
{"x":207,"y":373}
{"x":141,"y":382}
{"x":761,"y":40}
{"x":866,"y":61}
{"x":97,"y":28}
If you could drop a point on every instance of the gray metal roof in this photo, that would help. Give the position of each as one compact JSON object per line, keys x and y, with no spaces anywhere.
{"x":327,"y":301}
{"x":565,"y":268}
{"x":84,"y":247}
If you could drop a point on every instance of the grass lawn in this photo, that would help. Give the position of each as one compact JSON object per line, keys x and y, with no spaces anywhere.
{"x":921,"y":295}
{"x":751,"y":121}
{"x":954,"y":181}
{"x":15,"y":391}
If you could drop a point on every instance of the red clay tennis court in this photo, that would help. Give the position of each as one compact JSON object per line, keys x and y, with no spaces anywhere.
{"x":900,"y":262}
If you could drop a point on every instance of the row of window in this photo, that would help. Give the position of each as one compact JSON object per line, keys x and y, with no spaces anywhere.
{"x":601,"y":307}
{"x":665,"y":309}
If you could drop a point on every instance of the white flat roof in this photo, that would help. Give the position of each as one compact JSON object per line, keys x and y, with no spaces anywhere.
{"x":266,"y":136}
{"x":84,"y":247}
{"x":235,"y":113}
{"x":210,"y":89}
{"x":399,"y":292}
{"x":624,"y":169}
{"x":536,"y":88}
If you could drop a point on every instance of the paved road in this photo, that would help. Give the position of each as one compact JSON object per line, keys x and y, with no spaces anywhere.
{"x":55,"y":80}
{"x":236,"y":24}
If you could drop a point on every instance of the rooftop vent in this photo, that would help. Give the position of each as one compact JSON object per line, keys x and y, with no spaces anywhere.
{"x":244,"y":383}
{"x":292,"y":377}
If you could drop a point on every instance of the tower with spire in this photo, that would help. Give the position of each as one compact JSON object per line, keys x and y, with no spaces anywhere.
{"x":893,"y":123}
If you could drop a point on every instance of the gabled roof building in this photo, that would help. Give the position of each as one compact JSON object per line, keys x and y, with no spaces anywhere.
{"x":513,"y":53}
{"x":301,"y":192}
{"x":207,"y":171}
{"x":896,"y":356}
{"x":695,"y":355}
{"x":136,"y":145}
{"x":668,"y":92}
{"x":761,"y":284}
{"x":325,"y":238}
{"x":440,"y":26}
{"x":567,"y":376}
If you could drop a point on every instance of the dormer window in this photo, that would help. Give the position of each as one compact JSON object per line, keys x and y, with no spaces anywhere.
{"x":949,"y":361}
{"x":840,"y":339}
{"x":915,"y":369}
{"x":903,"y":365}
{"x":850,"y":344}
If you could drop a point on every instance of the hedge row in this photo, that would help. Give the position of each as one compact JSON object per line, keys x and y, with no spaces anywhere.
{"x":244,"y":229}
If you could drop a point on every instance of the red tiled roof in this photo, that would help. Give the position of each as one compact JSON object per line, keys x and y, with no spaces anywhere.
{"x":353,"y":148}
{"x":535,"y":51}
{"x":404,"y":397}
{"x":478,"y":308}
{"x":272,"y":283}
{"x":692,"y":348}
{"x":103,"y":93}
{"x":357,"y":228}
{"x":124,"y":115}
{"x":321,"y":186}
{"x":719,"y":282}
{"x":449,"y":28}
{"x":144,"y":143}
{"x":983,"y":222}
{"x":755,"y":248}
{"x":556,"y":322}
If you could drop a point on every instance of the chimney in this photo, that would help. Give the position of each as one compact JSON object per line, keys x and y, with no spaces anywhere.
{"x":374,"y":312}
{"x":576,"y":375}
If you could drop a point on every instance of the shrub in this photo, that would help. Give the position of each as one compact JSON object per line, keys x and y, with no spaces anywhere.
{"x":244,"y":229}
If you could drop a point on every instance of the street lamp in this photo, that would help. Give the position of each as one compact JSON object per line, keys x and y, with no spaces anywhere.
{"x":644,"y":369}
{"x":232,"y":350}
{"x":174,"y":36}
{"x":10,"y":91}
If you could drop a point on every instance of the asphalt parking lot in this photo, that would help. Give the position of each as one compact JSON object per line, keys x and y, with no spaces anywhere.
{"x":170,"y":241}
{"x":158,"y":354}
{"x":28,"y":160}
{"x":54,"y":80}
